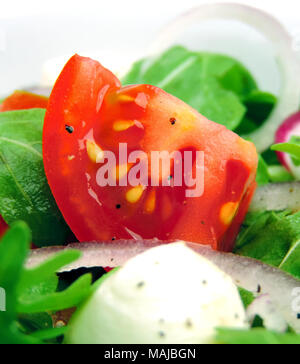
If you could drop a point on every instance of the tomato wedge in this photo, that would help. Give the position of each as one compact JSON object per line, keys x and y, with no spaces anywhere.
{"x":22,"y":100}
{"x":90,"y":115}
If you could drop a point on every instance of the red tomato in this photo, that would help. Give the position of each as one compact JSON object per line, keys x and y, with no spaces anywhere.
{"x":89,"y":113}
{"x":22,"y":100}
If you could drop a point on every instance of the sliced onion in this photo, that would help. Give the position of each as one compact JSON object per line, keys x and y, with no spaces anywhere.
{"x":277,"y":197}
{"x":39,"y":90}
{"x":247,"y":273}
{"x":290,"y":127}
{"x":263,"y":307}
{"x":272,"y":30}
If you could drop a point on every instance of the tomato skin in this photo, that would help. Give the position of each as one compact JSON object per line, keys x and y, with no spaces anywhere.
{"x":22,"y":100}
{"x":87,"y":105}
{"x":75,"y":101}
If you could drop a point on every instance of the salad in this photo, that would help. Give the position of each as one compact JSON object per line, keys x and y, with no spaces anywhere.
{"x":142,"y":211}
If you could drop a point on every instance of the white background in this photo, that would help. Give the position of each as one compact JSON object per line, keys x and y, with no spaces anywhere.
{"x":31,"y":31}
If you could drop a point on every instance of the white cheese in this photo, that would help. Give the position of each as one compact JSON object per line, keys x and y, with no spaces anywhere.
{"x":169,"y":294}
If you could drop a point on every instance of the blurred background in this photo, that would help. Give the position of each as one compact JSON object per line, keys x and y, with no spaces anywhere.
{"x":117,"y":32}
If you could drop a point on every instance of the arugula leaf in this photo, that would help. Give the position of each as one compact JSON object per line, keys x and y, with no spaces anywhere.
{"x":219,"y":87}
{"x":262,"y":175}
{"x":205,"y":81}
{"x":32,"y":294}
{"x":239,"y":80}
{"x":246,"y":297}
{"x":273,"y":238}
{"x":58,"y":301}
{"x":279,"y":174}
{"x":254,"y":336}
{"x":259,"y":105}
{"x":25,"y":194}
{"x":292,"y":148}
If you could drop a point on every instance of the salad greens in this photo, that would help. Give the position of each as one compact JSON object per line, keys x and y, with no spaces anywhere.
{"x":219,"y":87}
{"x":273,"y":238}
{"x":25,"y":194}
{"x":32,"y":294}
{"x":255,"y":336}
{"x":292,"y":148}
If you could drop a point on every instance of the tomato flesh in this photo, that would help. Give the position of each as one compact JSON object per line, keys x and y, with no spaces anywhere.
{"x":22,"y":100}
{"x":89,"y":112}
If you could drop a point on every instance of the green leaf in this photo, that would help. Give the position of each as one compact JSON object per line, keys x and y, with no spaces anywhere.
{"x":200,"y":79}
{"x":218,"y":86}
{"x":290,"y":148}
{"x":239,"y":80}
{"x":291,"y":262}
{"x":262,"y":176}
{"x":279,"y":174}
{"x":254,"y":336}
{"x":51,"y":333}
{"x":34,"y":322}
{"x":246,"y":297}
{"x":270,"y":157}
{"x":25,"y":194}
{"x":13,"y":250}
{"x":69,"y":298}
{"x":259,"y":105}
{"x":272,"y":238}
{"x":31,"y":294}
{"x":38,"y":275}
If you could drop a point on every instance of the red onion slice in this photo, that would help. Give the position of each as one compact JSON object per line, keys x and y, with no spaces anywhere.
{"x":247,"y":273}
{"x":266,"y":310}
{"x":277,"y":197}
{"x":290,"y":127}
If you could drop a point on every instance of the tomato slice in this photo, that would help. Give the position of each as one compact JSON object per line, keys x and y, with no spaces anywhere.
{"x":22,"y":100}
{"x":89,"y":113}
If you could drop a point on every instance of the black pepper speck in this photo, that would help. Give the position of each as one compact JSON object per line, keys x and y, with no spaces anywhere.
{"x":161,"y":334}
{"x":118,"y":206}
{"x":140,"y":284}
{"x":173,"y":121}
{"x":188,"y":323}
{"x":69,"y":129}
